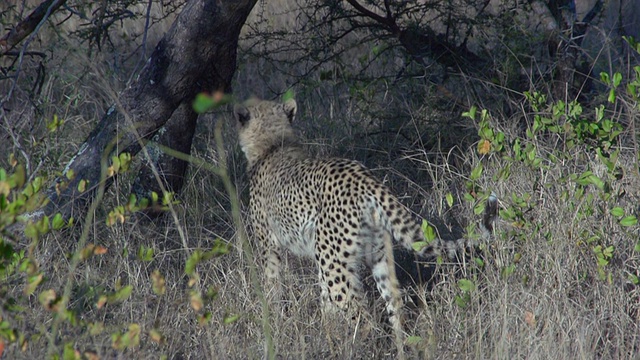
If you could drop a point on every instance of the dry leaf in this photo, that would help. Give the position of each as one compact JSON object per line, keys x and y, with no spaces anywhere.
{"x":530,"y":319}
{"x":484,"y":146}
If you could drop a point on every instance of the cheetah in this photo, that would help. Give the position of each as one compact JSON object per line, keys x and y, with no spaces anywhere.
{"x":332,"y":210}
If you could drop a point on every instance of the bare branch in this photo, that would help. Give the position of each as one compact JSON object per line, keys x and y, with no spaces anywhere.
{"x":388,"y":21}
{"x":28,"y":25}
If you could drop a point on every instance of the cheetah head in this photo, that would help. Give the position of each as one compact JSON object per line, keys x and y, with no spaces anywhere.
{"x":264,"y":126}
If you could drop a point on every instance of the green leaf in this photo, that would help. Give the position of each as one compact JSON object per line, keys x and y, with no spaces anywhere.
{"x":612,"y":96}
{"x":487,"y":133}
{"x":31,"y":232}
{"x":630,"y":220}
{"x":33,"y":282}
{"x":449,"y":198}
{"x":131,"y":205}
{"x":508,"y":270}
{"x":54,"y":124}
{"x":617,"y":78}
{"x":531,"y":154}
{"x":167,"y":197}
{"x":288,"y":95}
{"x":471,"y":114}
{"x":484,"y":114}
{"x":205,"y":318}
{"x":125,"y":161}
{"x":419,"y":245}
{"x":476,"y":173}
{"x":468,"y":197}
{"x":428,"y":231}
{"x":121,"y":295}
{"x":82,"y":185}
{"x":478,"y":209}
{"x":617,"y":211}
{"x":466,"y":285}
{"x":462,"y":301}
{"x":413,"y":340}
{"x":230,"y":319}
{"x":19,"y":176}
{"x":145,"y":253}
{"x":588,"y":178}
{"x":596,"y":181}
{"x":158,"y":283}
{"x":57,"y":222}
{"x":516,"y":147}
{"x":69,"y":353}
{"x":115,"y":164}
{"x":43,"y":225}
{"x":192,"y":262}
{"x":203,"y":103}
{"x":218,"y":248}
{"x":602,"y":261}
{"x":608,"y":251}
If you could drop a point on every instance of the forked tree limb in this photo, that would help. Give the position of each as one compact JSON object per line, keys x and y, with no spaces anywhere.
{"x":423,"y":43}
{"x":198,"y":53}
{"x":387,"y":21}
{"x":28,"y":25}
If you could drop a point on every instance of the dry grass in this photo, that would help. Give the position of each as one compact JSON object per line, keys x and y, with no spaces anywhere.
{"x":540,"y":294}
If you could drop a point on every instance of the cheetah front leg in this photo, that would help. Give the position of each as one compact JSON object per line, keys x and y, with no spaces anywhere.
{"x":270,"y":258}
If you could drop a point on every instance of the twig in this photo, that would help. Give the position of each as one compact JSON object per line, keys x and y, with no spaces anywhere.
{"x":28,"y":53}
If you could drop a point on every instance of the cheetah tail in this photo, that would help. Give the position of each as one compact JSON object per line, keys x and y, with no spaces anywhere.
{"x":490,"y":215}
{"x":451,"y":248}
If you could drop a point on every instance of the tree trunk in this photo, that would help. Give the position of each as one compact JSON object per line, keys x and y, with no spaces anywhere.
{"x":198,"y":53}
{"x":571,"y":76}
{"x":176,"y":134}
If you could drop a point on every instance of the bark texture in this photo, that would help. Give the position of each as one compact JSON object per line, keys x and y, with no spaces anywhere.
{"x":198,"y":53}
{"x":176,"y":134}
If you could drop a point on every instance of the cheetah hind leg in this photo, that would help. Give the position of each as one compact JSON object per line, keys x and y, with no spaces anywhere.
{"x":340,"y":302}
{"x":341,"y":289}
{"x":384,"y":275}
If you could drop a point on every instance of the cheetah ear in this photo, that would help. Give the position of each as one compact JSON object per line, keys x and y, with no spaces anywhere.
{"x":290,"y":107}
{"x":242,"y":114}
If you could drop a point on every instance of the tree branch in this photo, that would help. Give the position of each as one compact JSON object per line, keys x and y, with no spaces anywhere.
{"x":28,"y":25}
{"x":388,"y":21}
